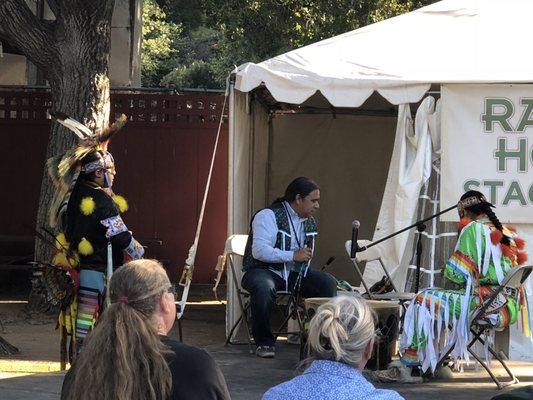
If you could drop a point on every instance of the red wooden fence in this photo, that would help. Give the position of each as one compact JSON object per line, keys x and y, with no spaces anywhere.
{"x":162,"y":157}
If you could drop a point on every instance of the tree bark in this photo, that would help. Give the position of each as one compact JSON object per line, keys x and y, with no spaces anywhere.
{"x":73,"y":51}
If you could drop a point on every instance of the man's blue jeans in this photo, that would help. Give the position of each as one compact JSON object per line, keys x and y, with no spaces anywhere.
{"x":263,"y":284}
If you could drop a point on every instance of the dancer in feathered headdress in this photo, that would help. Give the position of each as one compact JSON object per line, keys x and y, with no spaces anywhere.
{"x":88,"y":215}
{"x":485,"y":252}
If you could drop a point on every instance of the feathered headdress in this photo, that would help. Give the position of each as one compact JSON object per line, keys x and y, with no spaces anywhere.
{"x":65,"y":168}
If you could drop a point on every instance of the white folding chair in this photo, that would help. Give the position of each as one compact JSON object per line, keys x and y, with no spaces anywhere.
{"x":235,"y":246}
{"x":373,"y":254}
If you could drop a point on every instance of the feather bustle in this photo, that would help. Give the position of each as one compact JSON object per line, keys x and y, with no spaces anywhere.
{"x":521,"y":257}
{"x":64,"y":169}
{"x":520,"y":243}
{"x":496,"y":236}
{"x":507,"y":251}
{"x":105,"y":136}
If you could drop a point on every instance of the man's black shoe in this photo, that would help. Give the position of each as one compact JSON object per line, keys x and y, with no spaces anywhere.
{"x":265,"y":351}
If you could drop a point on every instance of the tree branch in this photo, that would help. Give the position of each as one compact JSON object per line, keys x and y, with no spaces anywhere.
{"x":26,"y":32}
{"x":99,"y":8}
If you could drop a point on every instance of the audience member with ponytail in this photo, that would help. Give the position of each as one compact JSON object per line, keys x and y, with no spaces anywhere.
{"x":341,"y":337}
{"x":128,"y":356}
{"x":485,"y":252}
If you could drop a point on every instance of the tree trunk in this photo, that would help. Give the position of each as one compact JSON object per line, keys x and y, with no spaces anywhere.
{"x":79,"y":88}
{"x":73,"y":51}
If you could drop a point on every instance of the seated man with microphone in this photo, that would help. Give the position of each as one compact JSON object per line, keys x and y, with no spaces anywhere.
{"x":280,"y":245}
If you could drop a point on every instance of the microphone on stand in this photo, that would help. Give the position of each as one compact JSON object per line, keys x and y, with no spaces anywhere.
{"x":355,"y":232}
{"x":330,"y":260}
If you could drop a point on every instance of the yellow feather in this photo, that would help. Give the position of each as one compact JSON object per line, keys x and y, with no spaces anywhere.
{"x":87,"y":206}
{"x":60,"y":260}
{"x":121,"y":203}
{"x":85,"y":247}
{"x":61,"y":242}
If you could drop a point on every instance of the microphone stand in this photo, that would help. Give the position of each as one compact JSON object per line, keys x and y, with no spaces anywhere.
{"x":294,"y":301}
{"x":420,"y":227}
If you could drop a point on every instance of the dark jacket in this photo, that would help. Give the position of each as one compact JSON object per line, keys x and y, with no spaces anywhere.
{"x":89,"y":226}
{"x":195,"y":375}
{"x":283,"y":238}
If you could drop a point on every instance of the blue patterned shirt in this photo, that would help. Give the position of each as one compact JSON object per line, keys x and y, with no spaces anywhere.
{"x":329,"y":380}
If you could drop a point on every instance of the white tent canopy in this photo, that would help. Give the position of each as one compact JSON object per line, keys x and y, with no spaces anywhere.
{"x":452,"y":41}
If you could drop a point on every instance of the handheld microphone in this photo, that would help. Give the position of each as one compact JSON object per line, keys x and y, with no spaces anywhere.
{"x":355,"y":232}
{"x":330,"y":260}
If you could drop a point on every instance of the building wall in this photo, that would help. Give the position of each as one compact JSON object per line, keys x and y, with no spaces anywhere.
{"x":12,"y":69}
{"x":125,"y":61}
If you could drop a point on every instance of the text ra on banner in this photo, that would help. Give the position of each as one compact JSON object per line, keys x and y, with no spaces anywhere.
{"x":487,"y":145}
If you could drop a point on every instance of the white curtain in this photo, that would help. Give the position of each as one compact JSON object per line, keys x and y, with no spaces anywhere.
{"x":439,"y":237}
{"x":409,"y":169}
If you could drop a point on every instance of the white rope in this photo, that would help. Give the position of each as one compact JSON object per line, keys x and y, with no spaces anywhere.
{"x":188,"y":270}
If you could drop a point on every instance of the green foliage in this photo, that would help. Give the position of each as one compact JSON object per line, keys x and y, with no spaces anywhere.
{"x":199,"y":74}
{"x":160,"y":45}
{"x":216,"y":35}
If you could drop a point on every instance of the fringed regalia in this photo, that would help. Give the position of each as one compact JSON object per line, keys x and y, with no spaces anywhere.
{"x":89,"y":218}
{"x":438,"y":318}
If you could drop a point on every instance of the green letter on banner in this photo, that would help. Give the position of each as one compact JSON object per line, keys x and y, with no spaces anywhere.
{"x":470,"y":185}
{"x":502,"y":154}
{"x":489,"y":118}
{"x":493,"y":198}
{"x":514,"y":193}
{"x":525,"y":121}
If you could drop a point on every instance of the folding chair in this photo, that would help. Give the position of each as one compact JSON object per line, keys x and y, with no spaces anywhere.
{"x":373,"y":254}
{"x":511,"y":282}
{"x":235,"y":246}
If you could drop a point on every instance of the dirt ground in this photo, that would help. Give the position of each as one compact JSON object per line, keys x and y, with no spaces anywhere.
{"x":37,"y":339}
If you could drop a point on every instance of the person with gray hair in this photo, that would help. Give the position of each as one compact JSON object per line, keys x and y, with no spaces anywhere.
{"x":341,"y":338}
{"x":128,"y":355}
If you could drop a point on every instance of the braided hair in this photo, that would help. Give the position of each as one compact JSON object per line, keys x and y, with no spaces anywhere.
{"x":476,"y":203}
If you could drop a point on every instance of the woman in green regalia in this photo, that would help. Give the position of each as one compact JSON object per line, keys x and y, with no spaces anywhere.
{"x":485,"y":252}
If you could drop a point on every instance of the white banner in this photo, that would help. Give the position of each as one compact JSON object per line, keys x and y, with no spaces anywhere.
{"x":487,"y":145}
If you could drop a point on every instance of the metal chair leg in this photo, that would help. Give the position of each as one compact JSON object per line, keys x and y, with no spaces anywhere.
{"x":180,"y":330}
{"x":244,"y":310}
{"x":499,"y":384}
{"x":242,"y":319}
{"x":291,"y":310}
{"x":233,"y":328}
